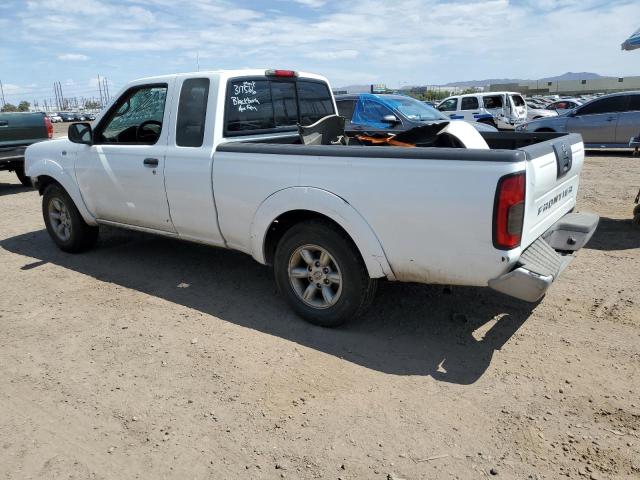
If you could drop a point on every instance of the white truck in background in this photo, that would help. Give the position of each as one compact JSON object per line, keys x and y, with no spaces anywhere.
{"x":503,"y":110}
{"x":218,"y":158}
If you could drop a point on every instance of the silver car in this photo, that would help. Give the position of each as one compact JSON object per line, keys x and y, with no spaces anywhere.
{"x":564,"y":104}
{"x":605,"y":122}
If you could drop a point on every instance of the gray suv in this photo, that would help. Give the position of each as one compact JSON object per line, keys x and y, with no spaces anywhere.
{"x":606,"y":122}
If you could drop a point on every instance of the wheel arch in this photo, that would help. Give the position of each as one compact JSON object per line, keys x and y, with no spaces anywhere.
{"x":47,"y":173}
{"x":290,"y":206}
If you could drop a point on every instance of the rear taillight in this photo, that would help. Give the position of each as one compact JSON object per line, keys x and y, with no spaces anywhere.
{"x":281,"y":73}
{"x":49,"y":125}
{"x":508,"y":211}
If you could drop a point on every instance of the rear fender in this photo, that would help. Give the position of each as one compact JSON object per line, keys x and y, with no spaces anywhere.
{"x":327,"y":204}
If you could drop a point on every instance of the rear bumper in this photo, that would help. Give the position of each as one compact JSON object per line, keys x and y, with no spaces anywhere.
{"x":545,"y":259}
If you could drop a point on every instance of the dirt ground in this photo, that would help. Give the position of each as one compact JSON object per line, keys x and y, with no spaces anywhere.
{"x":155,"y":359}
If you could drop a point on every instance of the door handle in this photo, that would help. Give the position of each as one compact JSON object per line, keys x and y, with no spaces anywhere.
{"x":150,"y":162}
{"x":4,"y":123}
{"x":611,"y":119}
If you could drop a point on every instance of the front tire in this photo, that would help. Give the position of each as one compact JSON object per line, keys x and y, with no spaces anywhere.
{"x":64,"y":223}
{"x":320,"y":273}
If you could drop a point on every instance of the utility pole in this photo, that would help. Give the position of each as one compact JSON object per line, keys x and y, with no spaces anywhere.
{"x":100,"y":90}
{"x":2,"y":94}
{"x":105,"y":87}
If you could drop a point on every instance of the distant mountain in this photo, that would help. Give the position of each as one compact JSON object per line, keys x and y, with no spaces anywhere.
{"x":489,"y":81}
{"x":481,"y":83}
{"x":572,"y":76}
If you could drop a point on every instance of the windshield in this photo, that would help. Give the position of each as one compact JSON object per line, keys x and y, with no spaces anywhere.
{"x":413,"y":109}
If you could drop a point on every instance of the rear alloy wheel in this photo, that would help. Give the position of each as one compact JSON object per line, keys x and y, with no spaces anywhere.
{"x":64,"y":223}
{"x":320,"y":273}
{"x":315,"y":276}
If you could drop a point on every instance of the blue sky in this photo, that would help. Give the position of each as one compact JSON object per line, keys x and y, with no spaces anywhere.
{"x":351,"y":41}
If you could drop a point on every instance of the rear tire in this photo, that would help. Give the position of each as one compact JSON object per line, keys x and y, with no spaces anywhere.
{"x":321,"y":275}
{"x":64,"y":223}
{"x":24,"y":180}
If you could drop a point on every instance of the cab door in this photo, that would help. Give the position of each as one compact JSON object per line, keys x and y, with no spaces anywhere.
{"x":470,"y":108}
{"x":121,"y":175}
{"x":449,"y":107}
{"x":629,"y":120}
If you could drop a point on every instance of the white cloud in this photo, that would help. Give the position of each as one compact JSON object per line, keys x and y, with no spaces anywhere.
{"x":404,"y":41}
{"x":332,"y":55}
{"x":73,"y":57}
{"x":312,"y":3}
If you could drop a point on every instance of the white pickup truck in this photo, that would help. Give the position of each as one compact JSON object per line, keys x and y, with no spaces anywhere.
{"x":220,"y":158}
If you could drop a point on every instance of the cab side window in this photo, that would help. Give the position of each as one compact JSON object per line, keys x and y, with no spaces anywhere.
{"x":345,"y":108}
{"x":469,"y":103}
{"x":634,"y":103}
{"x":192,"y":112}
{"x":449,"y":105}
{"x":603,"y":105}
{"x":137,"y":117}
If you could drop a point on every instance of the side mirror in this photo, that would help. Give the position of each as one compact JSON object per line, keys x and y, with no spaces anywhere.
{"x":80,"y":133}
{"x":390,"y":119}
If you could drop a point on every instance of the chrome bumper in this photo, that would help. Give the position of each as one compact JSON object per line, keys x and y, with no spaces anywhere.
{"x":545,"y":259}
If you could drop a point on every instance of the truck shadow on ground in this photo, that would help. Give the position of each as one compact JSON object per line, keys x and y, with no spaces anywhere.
{"x":615,"y":234}
{"x":450,"y":334}
{"x":12,"y":188}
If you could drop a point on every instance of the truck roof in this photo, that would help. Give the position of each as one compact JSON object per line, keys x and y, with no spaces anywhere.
{"x":225,"y":74}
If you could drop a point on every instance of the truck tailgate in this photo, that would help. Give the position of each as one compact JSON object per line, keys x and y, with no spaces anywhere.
{"x":553,"y":172}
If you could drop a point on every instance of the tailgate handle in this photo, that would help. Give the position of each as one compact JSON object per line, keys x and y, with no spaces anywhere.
{"x":564,"y":158}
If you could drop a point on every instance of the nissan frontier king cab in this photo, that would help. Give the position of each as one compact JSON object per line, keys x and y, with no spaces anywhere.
{"x":254,"y":161}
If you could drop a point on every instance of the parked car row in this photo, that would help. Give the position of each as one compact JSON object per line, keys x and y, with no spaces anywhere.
{"x":57,"y":117}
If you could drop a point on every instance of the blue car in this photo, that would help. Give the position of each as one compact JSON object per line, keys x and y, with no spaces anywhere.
{"x":389,"y":113}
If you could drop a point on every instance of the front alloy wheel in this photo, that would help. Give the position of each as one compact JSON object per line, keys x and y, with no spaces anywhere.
{"x":60,"y":219}
{"x":64,"y":223}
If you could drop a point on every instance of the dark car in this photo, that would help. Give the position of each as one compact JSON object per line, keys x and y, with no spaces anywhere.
{"x":388,"y":113}
{"x":67,"y":117}
{"x":18,"y":130}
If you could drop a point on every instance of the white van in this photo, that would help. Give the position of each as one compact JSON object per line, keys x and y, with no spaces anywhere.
{"x":504,"y":110}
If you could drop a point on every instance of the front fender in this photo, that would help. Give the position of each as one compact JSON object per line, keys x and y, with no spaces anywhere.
{"x":327,"y":204}
{"x":46,"y":159}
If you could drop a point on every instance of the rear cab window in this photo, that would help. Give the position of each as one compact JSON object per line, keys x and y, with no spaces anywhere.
{"x":263,"y":105}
